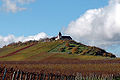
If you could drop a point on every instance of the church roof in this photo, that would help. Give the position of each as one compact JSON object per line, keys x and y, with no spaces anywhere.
{"x":68,"y":37}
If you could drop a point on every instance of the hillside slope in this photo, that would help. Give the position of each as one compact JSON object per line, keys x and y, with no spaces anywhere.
{"x":38,"y":51}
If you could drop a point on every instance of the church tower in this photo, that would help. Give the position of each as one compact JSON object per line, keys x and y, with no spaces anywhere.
{"x":59,"y":36}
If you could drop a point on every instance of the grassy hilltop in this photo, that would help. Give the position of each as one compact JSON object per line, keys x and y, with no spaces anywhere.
{"x":60,"y":49}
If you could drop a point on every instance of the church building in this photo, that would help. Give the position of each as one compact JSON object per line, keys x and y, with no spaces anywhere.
{"x":60,"y":37}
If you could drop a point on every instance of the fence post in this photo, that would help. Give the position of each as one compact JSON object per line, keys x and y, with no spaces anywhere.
{"x":70,"y":77}
{"x":42,"y":77}
{"x":30,"y":76}
{"x":26,"y":76}
{"x":13,"y":77}
{"x":73,"y":78}
{"x":51,"y":76}
{"x":62,"y":77}
{"x":66,"y":77}
{"x":59,"y":76}
{"x":18,"y":75}
{"x":4,"y":75}
{"x":37,"y":76}
{"x":21,"y":76}
{"x":48,"y":76}
{"x":34,"y":76}
{"x":55,"y":77}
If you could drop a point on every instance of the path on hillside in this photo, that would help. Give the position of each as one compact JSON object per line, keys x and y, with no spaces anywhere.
{"x":12,"y":53}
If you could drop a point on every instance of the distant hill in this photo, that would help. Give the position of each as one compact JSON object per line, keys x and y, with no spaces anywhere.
{"x":40,"y":50}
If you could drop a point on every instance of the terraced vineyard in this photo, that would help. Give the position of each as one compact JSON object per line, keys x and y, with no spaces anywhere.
{"x":26,"y":52}
{"x":60,"y":57}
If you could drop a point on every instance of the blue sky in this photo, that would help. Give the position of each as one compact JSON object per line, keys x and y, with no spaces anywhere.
{"x":94,"y":22}
{"x":48,"y":16}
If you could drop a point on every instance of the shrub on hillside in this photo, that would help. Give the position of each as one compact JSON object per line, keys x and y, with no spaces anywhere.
{"x":105,"y":54}
{"x":69,"y":48}
{"x":67,"y":44}
{"x":62,"y":49}
{"x":84,"y":52}
{"x":111,"y":55}
{"x":75,"y":50}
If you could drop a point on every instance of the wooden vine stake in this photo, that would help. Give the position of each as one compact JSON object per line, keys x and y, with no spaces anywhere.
{"x":18,"y":75}
{"x":13,"y":77}
{"x":21,"y":76}
{"x":4,"y":75}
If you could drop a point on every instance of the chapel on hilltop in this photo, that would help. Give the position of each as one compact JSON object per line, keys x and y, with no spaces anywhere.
{"x":60,"y":37}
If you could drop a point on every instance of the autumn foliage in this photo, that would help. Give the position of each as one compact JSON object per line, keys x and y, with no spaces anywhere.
{"x":75,"y":50}
{"x":67,"y":44}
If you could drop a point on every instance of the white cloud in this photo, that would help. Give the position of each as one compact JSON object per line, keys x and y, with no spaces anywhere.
{"x":11,"y":38}
{"x":25,"y":1}
{"x":98,"y":27}
{"x":14,"y":5}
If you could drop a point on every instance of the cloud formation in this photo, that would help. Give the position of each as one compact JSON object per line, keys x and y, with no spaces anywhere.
{"x":98,"y":27}
{"x":11,"y":38}
{"x":14,"y":5}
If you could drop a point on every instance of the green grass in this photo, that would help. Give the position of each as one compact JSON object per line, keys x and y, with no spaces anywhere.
{"x":6,"y":50}
{"x":42,"y":47}
{"x":68,"y":49}
{"x":43,"y":50}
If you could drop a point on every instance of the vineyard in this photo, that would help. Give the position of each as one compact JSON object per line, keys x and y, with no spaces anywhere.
{"x":57,"y":60}
{"x":17,"y":74}
{"x":39,"y":50}
{"x":12,"y":74}
{"x":82,"y":70}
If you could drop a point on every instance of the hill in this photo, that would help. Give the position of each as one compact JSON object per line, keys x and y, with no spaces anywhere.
{"x":49,"y":50}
